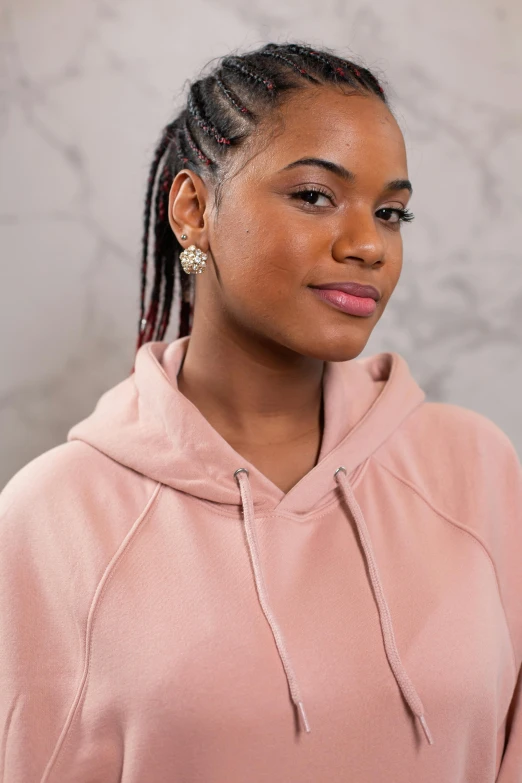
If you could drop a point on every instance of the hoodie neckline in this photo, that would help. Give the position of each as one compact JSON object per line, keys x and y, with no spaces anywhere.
{"x":353,"y":391}
{"x":146,"y":423}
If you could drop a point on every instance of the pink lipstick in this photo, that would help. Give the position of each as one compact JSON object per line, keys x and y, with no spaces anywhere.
{"x":351,"y":298}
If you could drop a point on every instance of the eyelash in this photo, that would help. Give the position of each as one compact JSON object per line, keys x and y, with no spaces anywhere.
{"x":405,"y":216}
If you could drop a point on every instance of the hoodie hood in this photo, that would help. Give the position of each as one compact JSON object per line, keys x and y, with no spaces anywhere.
{"x":148,"y":425}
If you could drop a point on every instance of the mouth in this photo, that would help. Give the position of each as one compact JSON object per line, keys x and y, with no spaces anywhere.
{"x":350,"y":298}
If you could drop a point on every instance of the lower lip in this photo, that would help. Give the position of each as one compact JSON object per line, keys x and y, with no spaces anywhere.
{"x":354,"y":305}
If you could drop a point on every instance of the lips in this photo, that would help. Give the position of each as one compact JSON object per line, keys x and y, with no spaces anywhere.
{"x":355,"y":289}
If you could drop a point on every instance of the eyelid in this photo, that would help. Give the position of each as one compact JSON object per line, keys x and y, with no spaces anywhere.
{"x":311,"y":186}
{"x":397,"y":205}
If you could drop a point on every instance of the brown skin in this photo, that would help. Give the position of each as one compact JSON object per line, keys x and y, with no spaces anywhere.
{"x":260,"y":336}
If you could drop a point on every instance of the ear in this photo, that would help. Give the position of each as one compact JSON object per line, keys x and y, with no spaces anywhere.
{"x":188,"y":199}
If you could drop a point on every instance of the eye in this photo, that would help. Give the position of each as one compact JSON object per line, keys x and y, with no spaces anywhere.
{"x":396,"y":215}
{"x":313,"y":196}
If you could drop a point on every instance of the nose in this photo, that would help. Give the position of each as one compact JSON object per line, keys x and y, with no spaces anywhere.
{"x":360,"y":238}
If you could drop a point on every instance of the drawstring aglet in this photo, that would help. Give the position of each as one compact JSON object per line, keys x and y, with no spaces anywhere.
{"x":426,"y":729}
{"x":303,"y":716}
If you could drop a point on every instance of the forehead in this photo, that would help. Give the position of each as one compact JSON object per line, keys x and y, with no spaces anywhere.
{"x":326,"y":122}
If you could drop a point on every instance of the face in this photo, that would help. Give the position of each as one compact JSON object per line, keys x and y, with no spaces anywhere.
{"x":284,"y":228}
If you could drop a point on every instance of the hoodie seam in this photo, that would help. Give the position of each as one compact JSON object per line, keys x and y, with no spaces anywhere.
{"x":99,"y":593}
{"x":464,"y":529}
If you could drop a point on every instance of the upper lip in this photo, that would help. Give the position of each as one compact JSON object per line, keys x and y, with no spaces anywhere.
{"x":356,"y":289}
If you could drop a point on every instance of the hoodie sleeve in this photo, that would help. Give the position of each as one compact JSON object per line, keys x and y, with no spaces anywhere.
{"x":511,"y":765}
{"x":506,"y":546}
{"x":488,"y":498}
{"x":62,"y":519}
{"x":502,"y":531}
{"x":485,"y":485}
{"x":474,"y":475}
{"x":40,"y":632}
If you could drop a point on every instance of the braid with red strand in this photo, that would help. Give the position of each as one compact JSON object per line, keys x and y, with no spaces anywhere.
{"x":304,"y":52}
{"x":168,"y":246}
{"x":231,"y":62}
{"x":220,"y":113}
{"x":230,"y":97}
{"x":194,"y":147}
{"x":362,"y":74}
{"x":298,"y":68}
{"x":207,"y":127}
{"x":369,"y":80}
{"x":158,"y":155}
{"x":160,"y":230}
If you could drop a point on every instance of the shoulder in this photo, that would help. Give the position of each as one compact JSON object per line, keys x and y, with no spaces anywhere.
{"x":69,"y":505}
{"x":69,"y":475}
{"x":446,"y":430}
{"x":454,"y":421}
{"x":459,"y":460}
{"x":49,"y":468}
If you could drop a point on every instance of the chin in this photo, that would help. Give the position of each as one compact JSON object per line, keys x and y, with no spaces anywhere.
{"x":341,"y":342}
{"x":336,"y":347}
{"x":342,"y":352}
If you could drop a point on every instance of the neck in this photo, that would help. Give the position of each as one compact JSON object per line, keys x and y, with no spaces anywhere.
{"x":251,"y":392}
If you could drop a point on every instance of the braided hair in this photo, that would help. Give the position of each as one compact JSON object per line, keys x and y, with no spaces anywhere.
{"x":221,"y":111}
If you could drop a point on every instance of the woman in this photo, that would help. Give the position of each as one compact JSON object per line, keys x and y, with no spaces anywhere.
{"x":260,"y":559}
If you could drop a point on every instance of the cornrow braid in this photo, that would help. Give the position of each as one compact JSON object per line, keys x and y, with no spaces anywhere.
{"x":230,"y":62}
{"x":207,"y":127}
{"x":227,"y":99}
{"x":181,"y":151}
{"x":369,"y":79}
{"x":230,"y":97}
{"x":291,"y":63}
{"x":359,"y":72}
{"x":194,"y":147}
{"x":312,"y":54}
{"x":168,"y":245}
{"x":158,"y":155}
{"x":304,"y":52}
{"x":159,"y":257}
{"x":362,"y":75}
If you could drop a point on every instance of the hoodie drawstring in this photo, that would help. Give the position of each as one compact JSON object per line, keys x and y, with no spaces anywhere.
{"x":403,"y":681}
{"x":406,"y":686}
{"x":248,"y":517}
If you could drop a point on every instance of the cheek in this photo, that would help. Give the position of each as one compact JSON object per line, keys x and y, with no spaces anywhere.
{"x":395,"y":262}
{"x":268,"y":266}
{"x":262,"y":250}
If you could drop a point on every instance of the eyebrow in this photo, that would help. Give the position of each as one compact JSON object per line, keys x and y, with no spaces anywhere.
{"x":349,"y":176}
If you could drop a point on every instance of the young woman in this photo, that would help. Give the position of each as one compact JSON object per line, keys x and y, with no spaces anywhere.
{"x":262,"y":559}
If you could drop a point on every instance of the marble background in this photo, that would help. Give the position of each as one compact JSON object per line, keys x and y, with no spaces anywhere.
{"x":89,"y":85}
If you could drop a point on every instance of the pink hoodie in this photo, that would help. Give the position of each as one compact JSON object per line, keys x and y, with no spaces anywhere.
{"x":164,"y":617}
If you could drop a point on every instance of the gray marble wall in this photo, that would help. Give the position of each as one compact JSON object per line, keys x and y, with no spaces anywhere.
{"x":90,"y":84}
